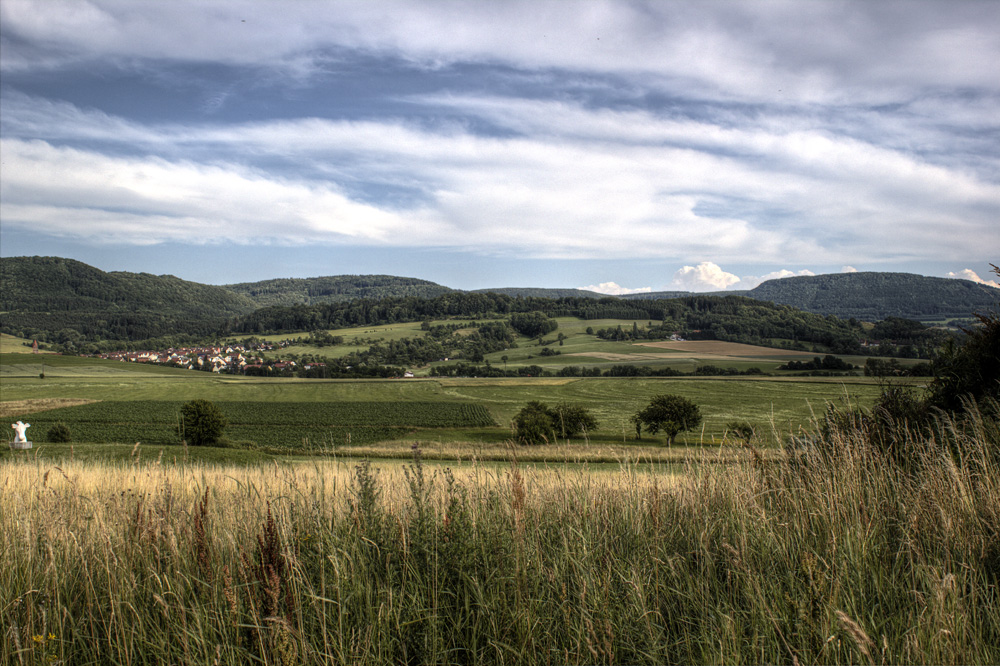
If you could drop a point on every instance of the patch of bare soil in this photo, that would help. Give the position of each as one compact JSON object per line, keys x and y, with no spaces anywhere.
{"x":12,"y":407}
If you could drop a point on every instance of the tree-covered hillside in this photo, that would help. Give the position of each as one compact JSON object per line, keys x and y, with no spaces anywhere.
{"x":732,"y":318}
{"x":874,"y":296}
{"x":334,"y":289}
{"x":63,"y":300}
{"x":540,"y":292}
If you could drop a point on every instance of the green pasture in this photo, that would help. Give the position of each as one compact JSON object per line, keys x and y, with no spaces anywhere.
{"x":10,"y":344}
{"x":578,"y":348}
{"x":777,"y":405}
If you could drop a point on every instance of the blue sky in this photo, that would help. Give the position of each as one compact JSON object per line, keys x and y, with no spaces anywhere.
{"x":612,"y":145}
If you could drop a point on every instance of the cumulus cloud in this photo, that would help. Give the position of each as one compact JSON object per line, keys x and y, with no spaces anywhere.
{"x":751,"y":281}
{"x":614,"y":289}
{"x":848,"y":269}
{"x":709,"y":276}
{"x":969,"y":274}
{"x":706,"y":276}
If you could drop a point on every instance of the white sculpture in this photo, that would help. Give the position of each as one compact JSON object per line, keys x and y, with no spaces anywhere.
{"x":20,"y":428}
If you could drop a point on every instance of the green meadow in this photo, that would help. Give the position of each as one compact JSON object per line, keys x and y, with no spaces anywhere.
{"x":777,"y":406}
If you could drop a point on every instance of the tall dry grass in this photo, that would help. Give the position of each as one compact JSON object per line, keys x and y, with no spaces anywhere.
{"x":833,"y":554}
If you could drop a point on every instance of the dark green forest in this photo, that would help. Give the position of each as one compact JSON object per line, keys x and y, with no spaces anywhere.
{"x":872,"y":296}
{"x":334,"y":289}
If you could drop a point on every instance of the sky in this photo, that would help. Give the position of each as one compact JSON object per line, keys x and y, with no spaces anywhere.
{"x":619,"y":146}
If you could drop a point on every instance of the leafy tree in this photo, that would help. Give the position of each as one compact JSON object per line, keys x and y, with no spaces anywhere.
{"x":672,"y":414}
{"x":202,"y":423}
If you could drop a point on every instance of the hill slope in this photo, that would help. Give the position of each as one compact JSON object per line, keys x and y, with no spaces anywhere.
{"x":334,"y":289}
{"x":875,"y":295}
{"x":51,"y":294}
{"x":540,"y":292}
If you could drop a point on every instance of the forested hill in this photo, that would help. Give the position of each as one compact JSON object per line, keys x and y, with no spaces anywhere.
{"x":63,"y":300}
{"x":734,"y":318}
{"x":334,"y":289}
{"x":541,"y":292}
{"x":874,"y":296}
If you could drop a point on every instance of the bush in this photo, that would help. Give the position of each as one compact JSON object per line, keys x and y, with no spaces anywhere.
{"x":202,"y":423}
{"x":742,"y":430}
{"x":59,"y":434}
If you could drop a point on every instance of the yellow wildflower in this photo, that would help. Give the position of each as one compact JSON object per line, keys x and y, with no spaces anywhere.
{"x":38,"y":639}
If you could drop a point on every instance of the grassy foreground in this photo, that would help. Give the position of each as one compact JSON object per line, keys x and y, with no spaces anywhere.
{"x":827,"y":558}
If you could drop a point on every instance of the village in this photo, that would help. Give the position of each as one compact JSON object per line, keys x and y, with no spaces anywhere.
{"x":237,"y":358}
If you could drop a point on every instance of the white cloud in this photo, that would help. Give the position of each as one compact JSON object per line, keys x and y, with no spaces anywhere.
{"x":566,"y":182}
{"x":969,"y":274}
{"x":751,"y":281}
{"x":803,"y":51}
{"x":614,"y":289}
{"x":706,"y":276}
{"x":848,"y":269}
{"x":75,"y":193}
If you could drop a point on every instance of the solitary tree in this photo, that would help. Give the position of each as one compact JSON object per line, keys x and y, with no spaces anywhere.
{"x":672,"y":414}
{"x":202,"y":423}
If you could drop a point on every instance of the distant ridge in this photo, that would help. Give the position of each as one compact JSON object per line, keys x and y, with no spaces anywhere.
{"x":660,"y":295}
{"x":53,"y":294}
{"x":874,"y":296}
{"x":64,"y":300}
{"x":335,"y":289}
{"x":541,"y":292}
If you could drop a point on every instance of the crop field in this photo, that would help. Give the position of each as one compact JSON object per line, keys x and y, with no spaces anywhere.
{"x":287,"y":425}
{"x":140,"y":403}
{"x":308,"y":409}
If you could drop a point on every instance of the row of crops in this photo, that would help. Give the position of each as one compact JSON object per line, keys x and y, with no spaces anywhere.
{"x":290,"y":425}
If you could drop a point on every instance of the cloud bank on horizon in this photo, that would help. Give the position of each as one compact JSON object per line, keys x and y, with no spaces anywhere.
{"x":778,"y":137}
